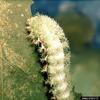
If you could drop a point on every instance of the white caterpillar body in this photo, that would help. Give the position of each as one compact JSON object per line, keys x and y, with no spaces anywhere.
{"x":55,"y":56}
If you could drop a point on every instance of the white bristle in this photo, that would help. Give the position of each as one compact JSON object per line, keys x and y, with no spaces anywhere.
{"x":46,"y":31}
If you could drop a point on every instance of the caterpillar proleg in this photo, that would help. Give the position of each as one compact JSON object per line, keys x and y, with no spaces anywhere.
{"x":54,"y":52}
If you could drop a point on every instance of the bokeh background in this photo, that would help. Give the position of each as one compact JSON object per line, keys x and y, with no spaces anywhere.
{"x":20,"y":76}
{"x":80,"y":20}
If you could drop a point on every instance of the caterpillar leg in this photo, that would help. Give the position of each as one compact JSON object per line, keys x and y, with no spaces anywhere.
{"x":44,"y":69}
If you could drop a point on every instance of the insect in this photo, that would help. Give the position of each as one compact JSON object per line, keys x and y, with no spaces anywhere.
{"x":53,"y":48}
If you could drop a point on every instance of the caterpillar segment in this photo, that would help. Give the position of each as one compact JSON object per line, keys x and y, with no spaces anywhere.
{"x":53,"y":47}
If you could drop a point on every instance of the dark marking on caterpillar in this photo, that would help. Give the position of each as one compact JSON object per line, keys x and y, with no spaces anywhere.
{"x":54,"y":54}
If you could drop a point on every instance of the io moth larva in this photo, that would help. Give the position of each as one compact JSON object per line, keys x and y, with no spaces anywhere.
{"x":53,"y":49}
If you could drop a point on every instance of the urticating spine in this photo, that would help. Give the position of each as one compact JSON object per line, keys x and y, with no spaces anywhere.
{"x":53,"y":48}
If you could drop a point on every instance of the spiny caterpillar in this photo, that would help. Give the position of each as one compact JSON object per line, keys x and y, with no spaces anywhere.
{"x":53,"y":49}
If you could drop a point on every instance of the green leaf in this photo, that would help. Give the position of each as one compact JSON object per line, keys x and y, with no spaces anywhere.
{"x":20,"y":77}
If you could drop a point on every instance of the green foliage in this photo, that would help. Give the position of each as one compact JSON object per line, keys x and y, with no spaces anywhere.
{"x":86,"y":72}
{"x":76,"y":95}
{"x":78,"y":28}
{"x":20,"y":77}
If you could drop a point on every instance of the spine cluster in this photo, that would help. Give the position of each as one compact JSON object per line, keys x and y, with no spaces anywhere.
{"x":53,"y":49}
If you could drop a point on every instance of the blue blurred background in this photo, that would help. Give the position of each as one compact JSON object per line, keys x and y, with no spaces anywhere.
{"x":89,"y":8}
{"x":80,"y":20}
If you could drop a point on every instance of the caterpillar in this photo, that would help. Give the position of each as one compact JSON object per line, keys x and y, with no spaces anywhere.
{"x":53,"y":48}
